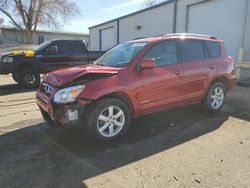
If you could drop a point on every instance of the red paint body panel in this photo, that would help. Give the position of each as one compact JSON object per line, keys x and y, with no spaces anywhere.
{"x":149,"y":90}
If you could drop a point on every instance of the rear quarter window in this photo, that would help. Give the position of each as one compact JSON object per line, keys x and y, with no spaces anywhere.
{"x":213,"y":48}
{"x":77,"y":48}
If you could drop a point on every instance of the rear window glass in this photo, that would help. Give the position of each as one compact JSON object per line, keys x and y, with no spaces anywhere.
{"x":213,"y":48}
{"x":191,"y":50}
{"x":77,"y":48}
{"x":63,"y":47}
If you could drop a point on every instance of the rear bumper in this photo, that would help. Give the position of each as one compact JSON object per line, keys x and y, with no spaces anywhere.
{"x":232,"y":79}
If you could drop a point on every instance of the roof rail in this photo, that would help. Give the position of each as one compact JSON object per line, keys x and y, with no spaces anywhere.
{"x":190,"y":35}
{"x":139,"y":38}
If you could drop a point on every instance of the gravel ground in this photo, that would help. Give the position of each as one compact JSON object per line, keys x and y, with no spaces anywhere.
{"x":183,"y":147}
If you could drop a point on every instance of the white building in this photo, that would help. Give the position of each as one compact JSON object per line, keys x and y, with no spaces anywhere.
{"x":225,"y":19}
{"x":10,"y":35}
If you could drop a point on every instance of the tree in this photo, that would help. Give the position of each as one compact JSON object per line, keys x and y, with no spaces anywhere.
{"x":27,"y":15}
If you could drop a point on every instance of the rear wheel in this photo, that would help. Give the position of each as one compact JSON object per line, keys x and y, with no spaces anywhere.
{"x":215,"y":97}
{"x":29,"y":78}
{"x":108,"y":119}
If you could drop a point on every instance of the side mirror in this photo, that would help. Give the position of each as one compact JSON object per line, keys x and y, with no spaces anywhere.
{"x":147,"y":64}
{"x":52,"y":50}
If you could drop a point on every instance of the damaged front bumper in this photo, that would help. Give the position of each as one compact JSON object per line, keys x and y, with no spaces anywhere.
{"x":60,"y":115}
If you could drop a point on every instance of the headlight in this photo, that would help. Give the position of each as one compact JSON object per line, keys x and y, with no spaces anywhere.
{"x":7,"y":59}
{"x":68,"y":94}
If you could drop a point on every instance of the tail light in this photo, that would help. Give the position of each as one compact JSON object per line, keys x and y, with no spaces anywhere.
{"x":231,"y":59}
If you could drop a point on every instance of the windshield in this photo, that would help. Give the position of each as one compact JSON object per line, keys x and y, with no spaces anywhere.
{"x":42,"y":46}
{"x":121,"y":55}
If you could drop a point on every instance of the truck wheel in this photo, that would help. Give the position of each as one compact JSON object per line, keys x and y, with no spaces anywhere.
{"x":215,"y":97}
{"x":29,"y":78}
{"x":15,"y":76}
{"x":108,"y":119}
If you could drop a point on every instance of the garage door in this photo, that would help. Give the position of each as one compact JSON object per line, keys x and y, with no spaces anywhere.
{"x":107,"y":38}
{"x":222,"y":18}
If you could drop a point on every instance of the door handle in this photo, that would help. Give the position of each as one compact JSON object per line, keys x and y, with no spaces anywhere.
{"x":177,"y":72}
{"x":212,"y":66}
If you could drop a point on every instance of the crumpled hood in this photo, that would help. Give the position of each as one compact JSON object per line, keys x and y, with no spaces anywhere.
{"x":64,"y":76}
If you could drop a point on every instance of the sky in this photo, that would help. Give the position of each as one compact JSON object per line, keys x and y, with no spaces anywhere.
{"x":94,"y":12}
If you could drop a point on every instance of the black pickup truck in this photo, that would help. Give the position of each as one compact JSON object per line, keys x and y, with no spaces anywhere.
{"x":26,"y":66}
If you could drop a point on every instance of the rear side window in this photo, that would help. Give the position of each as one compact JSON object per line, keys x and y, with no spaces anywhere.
{"x":191,"y":50}
{"x":77,"y":48}
{"x":64,"y":48}
{"x":164,"y":53}
{"x":213,"y":48}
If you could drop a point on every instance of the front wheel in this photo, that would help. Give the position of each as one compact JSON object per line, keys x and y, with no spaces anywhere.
{"x":215,"y":97}
{"x":29,"y":78}
{"x":109,"y":119}
{"x":15,"y":76}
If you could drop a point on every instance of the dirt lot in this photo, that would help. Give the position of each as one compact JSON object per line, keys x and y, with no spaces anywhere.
{"x":178,"y":148}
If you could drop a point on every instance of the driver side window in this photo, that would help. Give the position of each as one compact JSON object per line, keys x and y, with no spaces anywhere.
{"x":164,"y":53}
{"x":63,"y":48}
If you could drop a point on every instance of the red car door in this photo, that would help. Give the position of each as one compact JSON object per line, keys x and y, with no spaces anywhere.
{"x":196,"y":69}
{"x":159,"y":87}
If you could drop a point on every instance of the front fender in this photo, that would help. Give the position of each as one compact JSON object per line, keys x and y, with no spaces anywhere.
{"x":97,"y":89}
{"x":28,"y":63}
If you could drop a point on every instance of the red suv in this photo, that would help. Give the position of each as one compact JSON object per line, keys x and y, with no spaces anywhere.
{"x":137,"y":78}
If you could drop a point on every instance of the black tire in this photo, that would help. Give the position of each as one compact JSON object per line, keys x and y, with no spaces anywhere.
{"x":101,"y":107}
{"x":29,"y":78}
{"x":209,"y":100}
{"x":15,"y":76}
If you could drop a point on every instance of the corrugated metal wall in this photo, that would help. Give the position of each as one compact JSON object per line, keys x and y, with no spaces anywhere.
{"x":227,"y":19}
{"x":154,"y":22}
{"x":95,"y":39}
{"x":224,"y":19}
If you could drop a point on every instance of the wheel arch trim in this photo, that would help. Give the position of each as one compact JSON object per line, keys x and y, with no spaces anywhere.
{"x":123,"y":96}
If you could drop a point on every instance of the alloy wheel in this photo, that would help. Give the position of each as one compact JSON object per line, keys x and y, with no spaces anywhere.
{"x":110,"y":121}
{"x":217,"y":98}
{"x":29,"y":79}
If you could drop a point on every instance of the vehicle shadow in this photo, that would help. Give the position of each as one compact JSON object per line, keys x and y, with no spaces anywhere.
{"x":13,"y":89}
{"x":37,"y":156}
{"x":67,"y":158}
{"x":244,"y":83}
